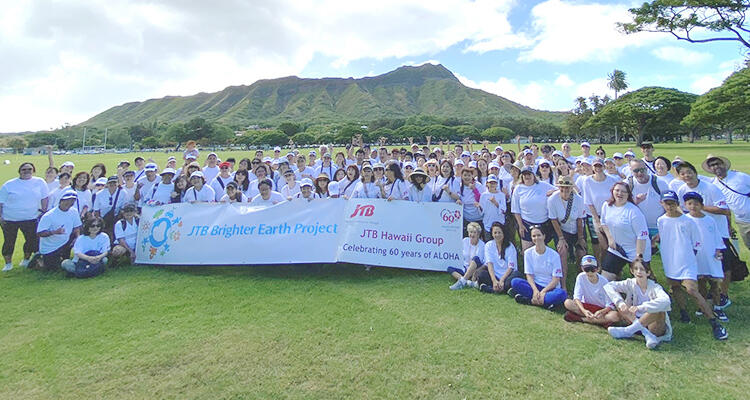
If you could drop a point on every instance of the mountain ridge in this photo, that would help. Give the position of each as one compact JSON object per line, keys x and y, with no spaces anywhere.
{"x":427,"y":89}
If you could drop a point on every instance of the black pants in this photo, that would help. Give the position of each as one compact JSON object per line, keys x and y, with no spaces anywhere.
{"x":53,"y":260}
{"x":10,"y":233}
{"x":483,"y":276}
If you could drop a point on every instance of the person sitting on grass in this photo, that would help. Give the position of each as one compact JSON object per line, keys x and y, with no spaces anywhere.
{"x":541,"y":287}
{"x":590,"y":303}
{"x":57,"y":230}
{"x":679,"y":239}
{"x":644,"y":307}
{"x":89,"y":251}
{"x":500,"y":262}
{"x":473,"y":251}
{"x":126,"y":232}
{"x":709,"y":253}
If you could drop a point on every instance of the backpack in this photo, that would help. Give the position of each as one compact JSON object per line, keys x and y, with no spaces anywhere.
{"x":654,"y":184}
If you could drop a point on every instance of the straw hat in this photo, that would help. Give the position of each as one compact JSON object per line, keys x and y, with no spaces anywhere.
{"x":710,"y":157}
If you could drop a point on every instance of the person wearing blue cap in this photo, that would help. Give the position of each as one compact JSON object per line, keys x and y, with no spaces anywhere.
{"x":710,"y":252}
{"x":57,"y":230}
{"x":680,"y":239}
{"x":590,"y":302}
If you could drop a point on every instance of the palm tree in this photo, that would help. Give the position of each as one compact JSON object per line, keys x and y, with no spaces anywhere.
{"x":617,"y":83}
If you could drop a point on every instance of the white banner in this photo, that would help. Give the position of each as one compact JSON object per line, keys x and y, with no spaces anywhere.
{"x":402,"y":234}
{"x":364,"y":231}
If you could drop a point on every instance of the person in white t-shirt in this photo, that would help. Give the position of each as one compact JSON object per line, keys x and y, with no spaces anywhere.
{"x":647,"y":190}
{"x":394,"y":187}
{"x":543,"y":270}
{"x":306,"y":191}
{"x":291,"y":186}
{"x":625,"y":227}
{"x":492,"y":204}
{"x":57,"y":230}
{"x":710,"y":252}
{"x":473,"y":252}
{"x":211,"y":169}
{"x":500,"y":262}
{"x":590,"y":302}
{"x":596,"y":190}
{"x":347,"y":185}
{"x":266,"y":197}
{"x":567,"y":213}
{"x":161,"y":192}
{"x":126,"y":234}
{"x":219,"y":183}
{"x":199,"y":192}
{"x":679,"y":238}
{"x":644,"y":307}
{"x":64,"y":186}
{"x":233,"y":195}
{"x":419,"y":191}
{"x":529,"y":206}
{"x":21,"y":200}
{"x":301,"y":170}
{"x":366,"y":188}
{"x":735,"y":186}
{"x":90,"y":250}
{"x":445,"y":185}
{"x":146,"y":183}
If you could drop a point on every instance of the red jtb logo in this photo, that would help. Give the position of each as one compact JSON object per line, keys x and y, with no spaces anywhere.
{"x":363,"y":211}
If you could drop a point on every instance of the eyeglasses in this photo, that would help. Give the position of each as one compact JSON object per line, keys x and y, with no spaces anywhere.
{"x":589,"y":268}
{"x":639,"y":170}
{"x":544,"y":166}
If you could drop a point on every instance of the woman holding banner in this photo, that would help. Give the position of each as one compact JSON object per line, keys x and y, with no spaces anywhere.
{"x":418,"y":190}
{"x":394,"y":188}
{"x":266,"y":196}
{"x":365,"y":188}
{"x":445,"y":184}
{"x":350,"y":181}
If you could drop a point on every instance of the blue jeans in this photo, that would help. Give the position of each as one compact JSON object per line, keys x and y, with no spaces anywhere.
{"x":555,"y":296}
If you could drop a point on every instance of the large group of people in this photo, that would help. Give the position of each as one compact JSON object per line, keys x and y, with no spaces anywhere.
{"x":546,"y":203}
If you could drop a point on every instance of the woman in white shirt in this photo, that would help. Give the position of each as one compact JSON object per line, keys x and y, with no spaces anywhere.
{"x":199,"y":192}
{"x":493,"y":205}
{"x":662,"y":165}
{"x":326,"y":167}
{"x":529,"y":206}
{"x":83,"y":201}
{"x":266,"y":197}
{"x":473,"y":252}
{"x":306,"y":191}
{"x":500,"y":262}
{"x":232,"y":194}
{"x":394,"y":187}
{"x":365,"y":188}
{"x":445,"y":185}
{"x":543,"y":273}
{"x":419,"y":192}
{"x":596,"y":190}
{"x":21,"y":201}
{"x":347,"y":185}
{"x":321,"y":186}
{"x":242,"y":179}
{"x":590,"y":302}
{"x":261,"y":171}
{"x":626,"y":231}
{"x":89,"y":251}
{"x":645,"y":306}
{"x":291,"y":188}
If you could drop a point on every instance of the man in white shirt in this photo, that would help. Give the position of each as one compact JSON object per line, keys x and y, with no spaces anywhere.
{"x":57,"y":230}
{"x":145,"y":184}
{"x":266,"y":197}
{"x":221,"y":180}
{"x":161,"y":192}
{"x":647,"y":190}
{"x":735,"y":186}
{"x":211,"y":170}
{"x":199,"y":192}
{"x":586,"y":153}
{"x":567,"y":212}
{"x":126,"y":233}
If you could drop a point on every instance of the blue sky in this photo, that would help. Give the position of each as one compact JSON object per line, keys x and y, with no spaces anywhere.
{"x":72,"y":60}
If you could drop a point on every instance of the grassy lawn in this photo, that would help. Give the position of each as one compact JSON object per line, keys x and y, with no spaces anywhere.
{"x":335,"y":331}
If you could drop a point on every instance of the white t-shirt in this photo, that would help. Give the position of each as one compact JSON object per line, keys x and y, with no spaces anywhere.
{"x":739,"y":203}
{"x":53,"y":185}
{"x":129,"y":190}
{"x":366,"y":191}
{"x":531,"y":202}
{"x":590,"y":158}
{"x":666,"y":178}
{"x":591,"y":293}
{"x":144,"y":189}
{"x":52,"y":220}
{"x":398,"y":190}
{"x":287,"y":191}
{"x":420,"y":196}
{"x":346,"y":188}
{"x":329,"y":170}
{"x":678,"y":237}
{"x":83,"y":200}
{"x":651,"y":206}
{"x":252,"y":189}
{"x":596,"y":193}
{"x":85,"y":243}
{"x":209,"y":173}
{"x":219,"y":185}
{"x":307,"y":172}
{"x":22,"y":198}
{"x":274,"y":198}
{"x":225,"y":198}
{"x":437,"y":184}
{"x":468,"y":198}
{"x":543,"y":266}
{"x":556,"y":208}
{"x":491,"y":212}
{"x":627,"y":224}
{"x":469,"y":251}
{"x":129,"y":233}
{"x":709,"y":241}
{"x":206,"y":194}
{"x":160,"y":192}
{"x":105,"y":201}
{"x":500,"y":265}
{"x":712,"y":196}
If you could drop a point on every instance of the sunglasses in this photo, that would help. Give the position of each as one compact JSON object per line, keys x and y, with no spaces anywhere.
{"x":589,"y":269}
{"x":544,"y":166}
{"x":95,"y":226}
{"x":639,"y":170}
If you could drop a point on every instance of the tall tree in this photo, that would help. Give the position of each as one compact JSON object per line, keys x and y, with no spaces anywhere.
{"x":618,"y":83}
{"x":712,"y":20}
{"x":724,"y":108}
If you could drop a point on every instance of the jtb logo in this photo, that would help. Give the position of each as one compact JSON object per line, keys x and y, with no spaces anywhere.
{"x":363,"y":211}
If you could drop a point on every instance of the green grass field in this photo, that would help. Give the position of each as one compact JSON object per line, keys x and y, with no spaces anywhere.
{"x":335,"y":331}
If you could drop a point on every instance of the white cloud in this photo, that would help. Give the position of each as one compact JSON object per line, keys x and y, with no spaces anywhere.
{"x":126,"y":51}
{"x":564,"y":80}
{"x":531,"y":94}
{"x":681,"y":55}
{"x":567,"y":32}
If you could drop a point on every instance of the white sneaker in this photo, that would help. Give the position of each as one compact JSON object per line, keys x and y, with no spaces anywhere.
{"x":460,"y":284}
{"x":472,"y":284}
{"x":651,"y":340}
{"x":8,"y":267}
{"x":618,"y":332}
{"x":24,"y":263}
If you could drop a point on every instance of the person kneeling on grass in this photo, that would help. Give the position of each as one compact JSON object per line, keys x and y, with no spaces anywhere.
{"x":501,"y":262}
{"x":644,"y":308}
{"x":57,"y":230}
{"x":473,"y":251}
{"x":89,"y":251}
{"x":590,"y":303}
{"x":543,"y":272}
{"x":680,"y":238}
{"x":126,"y":232}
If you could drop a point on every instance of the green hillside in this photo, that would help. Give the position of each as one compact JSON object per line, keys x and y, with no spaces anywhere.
{"x":407,"y":91}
